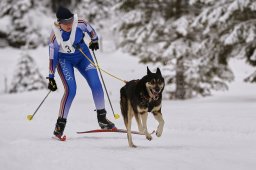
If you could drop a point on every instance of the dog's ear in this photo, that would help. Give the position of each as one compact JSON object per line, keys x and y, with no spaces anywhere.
{"x":148,"y":71}
{"x":158,"y":72}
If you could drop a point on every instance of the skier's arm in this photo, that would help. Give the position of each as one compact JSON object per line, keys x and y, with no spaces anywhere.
{"x":86,"y":27}
{"x":53,"y":55}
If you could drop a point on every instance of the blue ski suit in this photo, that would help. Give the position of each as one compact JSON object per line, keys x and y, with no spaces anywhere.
{"x":66,"y":62}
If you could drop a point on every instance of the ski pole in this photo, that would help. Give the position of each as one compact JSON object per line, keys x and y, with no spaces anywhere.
{"x":116,"y":116}
{"x":30,"y":117}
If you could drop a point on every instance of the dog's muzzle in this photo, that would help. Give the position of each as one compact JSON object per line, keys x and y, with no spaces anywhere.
{"x":155,"y":93}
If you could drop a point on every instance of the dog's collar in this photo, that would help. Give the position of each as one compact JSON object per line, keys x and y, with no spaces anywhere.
{"x":142,"y":96}
{"x":147,"y":101}
{"x":148,"y":98}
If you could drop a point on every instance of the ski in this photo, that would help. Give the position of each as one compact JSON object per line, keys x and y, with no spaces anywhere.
{"x":115,"y":130}
{"x":60,"y":138}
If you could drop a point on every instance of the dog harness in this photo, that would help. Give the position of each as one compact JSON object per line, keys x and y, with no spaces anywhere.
{"x":146,"y":102}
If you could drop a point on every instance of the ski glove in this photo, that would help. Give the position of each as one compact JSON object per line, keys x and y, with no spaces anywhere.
{"x":52,"y":84}
{"x":94,"y":45}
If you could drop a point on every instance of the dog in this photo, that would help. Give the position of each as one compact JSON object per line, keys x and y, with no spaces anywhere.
{"x":137,"y":98}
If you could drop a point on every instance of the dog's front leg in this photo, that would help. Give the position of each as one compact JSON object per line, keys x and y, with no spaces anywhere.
{"x":138,"y":120}
{"x":144,"y":117}
{"x":158,"y":116}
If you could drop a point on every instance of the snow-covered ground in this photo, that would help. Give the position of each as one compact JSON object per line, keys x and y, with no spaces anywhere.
{"x":213,"y":133}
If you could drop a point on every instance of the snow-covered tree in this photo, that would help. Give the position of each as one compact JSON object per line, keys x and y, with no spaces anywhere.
{"x":27,"y":76}
{"x":229,"y":28}
{"x":161,"y":32}
{"x":68,"y":3}
{"x":27,"y":23}
{"x":192,"y":39}
{"x":96,"y":12}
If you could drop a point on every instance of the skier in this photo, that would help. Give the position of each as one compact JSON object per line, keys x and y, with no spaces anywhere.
{"x":66,"y":37}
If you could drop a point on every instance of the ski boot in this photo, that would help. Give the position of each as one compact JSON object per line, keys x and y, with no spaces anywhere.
{"x":59,"y":128}
{"x":104,"y":123}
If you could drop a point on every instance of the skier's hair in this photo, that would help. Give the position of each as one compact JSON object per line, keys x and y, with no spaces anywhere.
{"x":57,"y":24}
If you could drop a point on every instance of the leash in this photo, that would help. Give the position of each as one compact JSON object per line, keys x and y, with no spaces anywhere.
{"x":116,"y":116}
{"x":98,"y":67}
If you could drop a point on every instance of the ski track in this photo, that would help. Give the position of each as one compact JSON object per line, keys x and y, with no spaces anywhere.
{"x":217,"y":132}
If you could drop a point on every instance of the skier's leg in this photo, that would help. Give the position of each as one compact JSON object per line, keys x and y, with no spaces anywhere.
{"x":90,"y":73}
{"x":66,"y":73}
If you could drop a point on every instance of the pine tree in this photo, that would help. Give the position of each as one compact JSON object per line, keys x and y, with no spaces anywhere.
{"x":66,"y":3}
{"x":229,"y":29}
{"x":160,"y":32}
{"x":27,"y":76}
{"x":193,"y":40}
{"x":95,"y":11}
{"x":27,"y":22}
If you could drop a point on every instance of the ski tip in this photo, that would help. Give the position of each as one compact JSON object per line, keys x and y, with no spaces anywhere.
{"x":114,"y":128}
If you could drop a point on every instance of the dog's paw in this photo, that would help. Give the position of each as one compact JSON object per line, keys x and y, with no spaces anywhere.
{"x":149,"y":137}
{"x":132,"y":146}
{"x":159,"y":132}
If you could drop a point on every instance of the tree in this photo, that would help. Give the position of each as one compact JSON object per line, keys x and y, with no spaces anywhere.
{"x":192,"y":40}
{"x":160,"y":32}
{"x":229,"y":29}
{"x":96,"y":11}
{"x":27,"y":76}
{"x":68,"y":3}
{"x":28,"y":23}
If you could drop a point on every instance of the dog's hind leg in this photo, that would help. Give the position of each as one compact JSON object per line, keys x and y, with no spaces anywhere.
{"x":124,"y":105}
{"x":144,"y":117}
{"x":158,"y":116}
{"x":129,"y":125}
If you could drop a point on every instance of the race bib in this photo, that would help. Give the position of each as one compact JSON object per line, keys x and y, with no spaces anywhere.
{"x":66,"y":47}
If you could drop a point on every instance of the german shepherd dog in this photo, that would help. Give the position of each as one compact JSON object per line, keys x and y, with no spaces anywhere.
{"x":138,"y":97}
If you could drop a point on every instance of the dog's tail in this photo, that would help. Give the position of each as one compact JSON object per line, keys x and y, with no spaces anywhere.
{"x":124,"y":105}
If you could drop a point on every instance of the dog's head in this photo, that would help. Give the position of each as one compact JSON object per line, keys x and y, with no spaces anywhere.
{"x":154,"y":83}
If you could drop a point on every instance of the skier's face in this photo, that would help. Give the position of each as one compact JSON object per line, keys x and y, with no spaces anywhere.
{"x":67,"y":26}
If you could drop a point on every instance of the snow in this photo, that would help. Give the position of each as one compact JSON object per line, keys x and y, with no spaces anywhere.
{"x":253,"y":6}
{"x":182,"y":25}
{"x":217,"y":132}
{"x":201,"y":1}
{"x":5,"y":23}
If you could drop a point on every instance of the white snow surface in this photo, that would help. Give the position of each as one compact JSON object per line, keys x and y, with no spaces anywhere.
{"x":213,"y":133}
